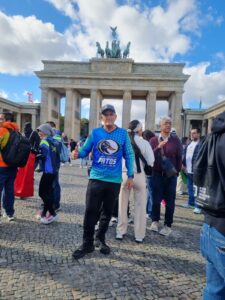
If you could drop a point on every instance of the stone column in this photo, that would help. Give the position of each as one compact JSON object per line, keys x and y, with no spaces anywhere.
{"x":33,"y":121}
{"x":94,"y":118}
{"x":127,"y":101}
{"x":76,"y":114}
{"x":150,"y":111}
{"x":72,"y":114}
{"x":204,"y":127}
{"x":187,"y":127}
{"x":18,"y":120}
{"x":69,"y":113}
{"x":175,"y":111}
{"x":210,"y":120}
{"x":44,"y":105}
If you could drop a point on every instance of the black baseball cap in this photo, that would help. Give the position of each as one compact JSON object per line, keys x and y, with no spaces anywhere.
{"x":107,"y":107}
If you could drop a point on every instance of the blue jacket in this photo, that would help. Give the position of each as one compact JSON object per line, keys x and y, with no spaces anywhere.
{"x":48,"y":149}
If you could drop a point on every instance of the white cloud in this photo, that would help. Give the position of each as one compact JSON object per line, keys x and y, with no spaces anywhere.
{"x":3,"y":94}
{"x":25,"y":41}
{"x":66,"y":6}
{"x":156,"y":33}
{"x":210,"y":88}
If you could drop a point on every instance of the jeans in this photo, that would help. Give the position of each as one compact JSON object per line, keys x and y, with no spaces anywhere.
{"x":84,"y":162}
{"x":7,"y":178}
{"x":164,"y":188}
{"x":191,"y":197}
{"x":213,"y":250}
{"x":56,"y":191}
{"x":100,"y":197}
{"x":149,"y":195}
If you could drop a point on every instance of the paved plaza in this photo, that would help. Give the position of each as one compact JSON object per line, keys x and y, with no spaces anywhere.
{"x":36,"y":261}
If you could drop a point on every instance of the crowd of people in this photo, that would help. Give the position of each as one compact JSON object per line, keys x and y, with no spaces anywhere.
{"x":155,"y":167}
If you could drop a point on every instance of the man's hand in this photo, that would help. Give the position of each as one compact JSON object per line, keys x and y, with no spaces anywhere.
{"x":162,"y":144}
{"x":184,"y":169}
{"x":129,"y":183}
{"x":75,"y":153}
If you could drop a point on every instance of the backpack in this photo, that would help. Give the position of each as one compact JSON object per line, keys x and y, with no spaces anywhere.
{"x":210,"y":194}
{"x":64,"y":153}
{"x":17,"y":149}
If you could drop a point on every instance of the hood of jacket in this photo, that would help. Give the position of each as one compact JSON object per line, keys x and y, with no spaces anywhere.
{"x":218,"y":125}
{"x":10,"y":125}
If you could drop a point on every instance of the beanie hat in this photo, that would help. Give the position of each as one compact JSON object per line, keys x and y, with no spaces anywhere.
{"x":46,"y":129}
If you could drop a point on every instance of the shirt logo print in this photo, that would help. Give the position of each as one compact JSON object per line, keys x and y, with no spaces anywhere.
{"x":108,"y":147}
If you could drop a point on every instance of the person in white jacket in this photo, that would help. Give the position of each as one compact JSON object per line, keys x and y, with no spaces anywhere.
{"x":139,"y":146}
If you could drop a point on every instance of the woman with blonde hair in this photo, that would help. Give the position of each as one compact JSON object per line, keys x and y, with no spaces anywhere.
{"x":143,"y":152}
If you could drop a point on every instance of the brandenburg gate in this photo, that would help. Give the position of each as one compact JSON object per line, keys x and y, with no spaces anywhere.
{"x":103,"y":78}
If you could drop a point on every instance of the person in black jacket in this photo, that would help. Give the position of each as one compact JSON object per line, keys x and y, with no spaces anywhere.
{"x":34,"y":139}
{"x":190,"y":154}
{"x":213,"y":230}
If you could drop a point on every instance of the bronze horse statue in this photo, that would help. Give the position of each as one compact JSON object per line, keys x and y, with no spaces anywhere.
{"x":99,"y":49}
{"x":126,"y":52}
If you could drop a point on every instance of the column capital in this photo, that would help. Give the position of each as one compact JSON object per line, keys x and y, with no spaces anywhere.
{"x":180,"y":91}
{"x":153,"y":90}
{"x":127,"y":95}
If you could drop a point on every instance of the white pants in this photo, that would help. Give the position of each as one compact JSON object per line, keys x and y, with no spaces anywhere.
{"x":139,"y":206}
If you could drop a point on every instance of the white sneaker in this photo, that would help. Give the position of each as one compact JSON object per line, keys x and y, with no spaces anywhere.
{"x":154,"y":226}
{"x":197,"y":210}
{"x":119,"y":236}
{"x":70,"y":165}
{"x":114,"y":220}
{"x":49,"y":219}
{"x":9,"y":218}
{"x":165,"y":231}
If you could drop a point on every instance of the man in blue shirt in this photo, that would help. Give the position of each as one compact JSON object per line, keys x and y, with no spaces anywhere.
{"x":109,"y":145}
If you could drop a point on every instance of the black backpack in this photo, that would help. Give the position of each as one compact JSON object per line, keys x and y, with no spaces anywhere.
{"x":17,"y":149}
{"x":210,"y":194}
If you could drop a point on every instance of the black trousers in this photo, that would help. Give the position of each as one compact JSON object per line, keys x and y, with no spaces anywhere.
{"x":100,"y":195}
{"x":46,"y":193}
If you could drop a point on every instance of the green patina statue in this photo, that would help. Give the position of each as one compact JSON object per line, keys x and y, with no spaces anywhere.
{"x":115,"y":51}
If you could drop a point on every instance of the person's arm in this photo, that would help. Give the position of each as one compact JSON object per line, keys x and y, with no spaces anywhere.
{"x":85,"y":149}
{"x":128,"y":155}
{"x":44,"y":148}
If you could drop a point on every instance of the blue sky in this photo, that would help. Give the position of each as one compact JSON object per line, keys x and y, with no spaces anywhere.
{"x":188,"y":31}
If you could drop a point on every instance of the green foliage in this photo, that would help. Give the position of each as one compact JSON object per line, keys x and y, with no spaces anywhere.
{"x":84,"y":127}
{"x":61,"y":123}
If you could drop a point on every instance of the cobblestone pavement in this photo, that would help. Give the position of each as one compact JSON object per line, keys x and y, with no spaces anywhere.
{"x":36,"y":262}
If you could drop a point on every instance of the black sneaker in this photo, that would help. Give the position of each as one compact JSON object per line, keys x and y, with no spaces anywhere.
{"x":82,"y":251}
{"x":104,"y":249}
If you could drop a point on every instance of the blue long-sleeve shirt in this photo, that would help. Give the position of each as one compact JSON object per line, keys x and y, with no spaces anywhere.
{"x":108,"y":149}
